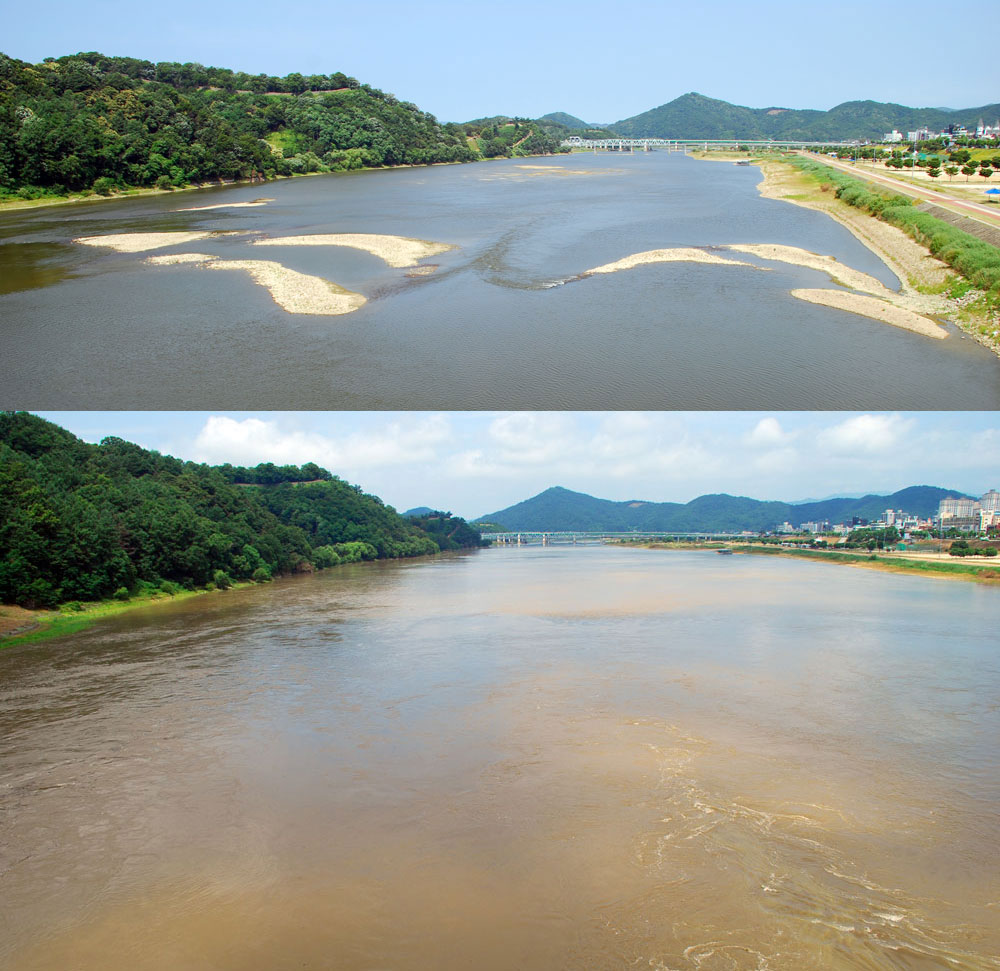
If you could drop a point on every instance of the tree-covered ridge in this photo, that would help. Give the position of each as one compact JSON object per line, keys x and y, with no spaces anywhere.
{"x":562,"y":509}
{"x":697,"y":116}
{"x":87,"y":522}
{"x":504,"y":137}
{"x":92,"y":122}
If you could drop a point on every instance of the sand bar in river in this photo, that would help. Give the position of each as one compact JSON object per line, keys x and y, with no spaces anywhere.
{"x":398,"y":251}
{"x":226,"y":205}
{"x":872,"y":307}
{"x":141,"y":242}
{"x":298,"y":293}
{"x":680,"y":254}
{"x":838,"y":272}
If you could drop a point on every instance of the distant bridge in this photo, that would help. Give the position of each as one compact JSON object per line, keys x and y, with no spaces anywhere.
{"x":580,"y":537}
{"x":683,"y":144}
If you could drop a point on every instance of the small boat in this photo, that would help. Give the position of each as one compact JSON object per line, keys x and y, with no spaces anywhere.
{"x":725,"y":552}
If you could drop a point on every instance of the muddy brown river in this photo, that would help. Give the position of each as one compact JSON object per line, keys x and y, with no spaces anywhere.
{"x":535,"y":758}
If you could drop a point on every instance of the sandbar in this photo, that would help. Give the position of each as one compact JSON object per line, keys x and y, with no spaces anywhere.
{"x":298,"y":293}
{"x":397,"y":251}
{"x":680,"y":254}
{"x":876,"y":309}
{"x":838,"y":272}
{"x":140,"y":242}
{"x":226,"y":205}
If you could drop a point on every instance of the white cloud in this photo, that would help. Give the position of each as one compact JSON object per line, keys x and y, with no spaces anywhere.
{"x":251,"y":440}
{"x":768,"y":433}
{"x":864,"y":435}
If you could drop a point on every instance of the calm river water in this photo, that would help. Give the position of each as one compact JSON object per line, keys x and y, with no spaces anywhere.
{"x":492,"y":328}
{"x":537,"y":758}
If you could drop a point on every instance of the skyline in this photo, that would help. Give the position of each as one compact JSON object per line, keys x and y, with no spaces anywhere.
{"x":529,"y":60}
{"x":474,"y":463}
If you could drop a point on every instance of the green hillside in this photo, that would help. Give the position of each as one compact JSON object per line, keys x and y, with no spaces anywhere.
{"x":561,"y":509}
{"x":88,"y":522}
{"x":697,"y":116}
{"x":89,"y":122}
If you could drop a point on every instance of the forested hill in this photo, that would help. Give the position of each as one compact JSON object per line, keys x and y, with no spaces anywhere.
{"x":563,"y":509}
{"x":89,"y":122}
{"x":696,"y":116}
{"x":88,"y":522}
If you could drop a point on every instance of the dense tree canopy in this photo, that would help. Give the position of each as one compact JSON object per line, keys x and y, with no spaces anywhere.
{"x":91,"y":122}
{"x":81,"y":521}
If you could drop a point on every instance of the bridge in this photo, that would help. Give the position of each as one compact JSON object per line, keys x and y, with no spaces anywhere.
{"x":581,"y":537}
{"x":683,"y":144}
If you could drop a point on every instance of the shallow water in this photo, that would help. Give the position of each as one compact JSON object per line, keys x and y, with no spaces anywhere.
{"x":501,"y":323}
{"x":534,"y":758}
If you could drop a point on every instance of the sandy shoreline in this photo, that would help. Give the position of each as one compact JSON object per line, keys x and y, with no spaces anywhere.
{"x":397,"y":251}
{"x":297,"y":293}
{"x":912,"y":263}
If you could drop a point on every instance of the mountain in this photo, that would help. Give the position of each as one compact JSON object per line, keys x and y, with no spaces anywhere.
{"x":697,"y":116}
{"x":569,"y":121}
{"x":82,"y":522}
{"x":562,"y":509}
{"x":418,"y":511}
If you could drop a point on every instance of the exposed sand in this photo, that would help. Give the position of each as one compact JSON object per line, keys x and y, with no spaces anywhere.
{"x":838,"y":272}
{"x":226,"y":205}
{"x":872,"y":307}
{"x":397,"y":251}
{"x":298,"y":293}
{"x":685,"y":254}
{"x":140,"y":242}
{"x":171,"y":259}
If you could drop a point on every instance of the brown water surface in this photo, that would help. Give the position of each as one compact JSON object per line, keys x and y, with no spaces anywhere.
{"x":535,"y":758}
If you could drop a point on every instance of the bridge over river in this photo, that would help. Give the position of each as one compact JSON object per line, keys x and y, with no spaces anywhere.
{"x":683,"y":144}
{"x":580,"y":537}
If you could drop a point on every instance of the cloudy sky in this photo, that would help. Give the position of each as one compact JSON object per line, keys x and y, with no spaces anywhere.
{"x":597,"y":60}
{"x":474,"y":463}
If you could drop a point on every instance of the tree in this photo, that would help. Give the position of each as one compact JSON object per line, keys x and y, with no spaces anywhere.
{"x":986,"y":173}
{"x":968,"y":170}
{"x":934,"y":173}
{"x":952,"y":171}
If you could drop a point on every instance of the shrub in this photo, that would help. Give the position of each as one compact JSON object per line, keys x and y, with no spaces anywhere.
{"x":222,"y":580}
{"x":121,"y":593}
{"x":261,"y":575}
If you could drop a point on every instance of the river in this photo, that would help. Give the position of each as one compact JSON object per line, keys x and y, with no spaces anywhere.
{"x":534,"y":758}
{"x":501,"y":323}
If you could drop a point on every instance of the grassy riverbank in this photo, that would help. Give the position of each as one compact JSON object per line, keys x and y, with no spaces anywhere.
{"x":986,"y":571}
{"x":929,"y":285}
{"x":889,"y":562}
{"x":19,"y":625}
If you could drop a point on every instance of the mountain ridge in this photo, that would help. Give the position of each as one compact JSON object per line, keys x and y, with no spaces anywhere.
{"x":558,"y":508}
{"x":694,"y":115}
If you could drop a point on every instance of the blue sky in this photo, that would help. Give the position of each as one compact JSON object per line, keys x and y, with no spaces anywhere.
{"x":478,"y":462}
{"x":600,"y":61}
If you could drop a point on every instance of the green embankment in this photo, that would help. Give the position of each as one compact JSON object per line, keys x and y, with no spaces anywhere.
{"x":975,"y":259}
{"x":891,"y":563}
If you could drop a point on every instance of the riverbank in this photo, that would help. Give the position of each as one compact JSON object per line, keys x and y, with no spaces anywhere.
{"x":925,"y":281}
{"x":18,"y":625}
{"x":886,"y":561}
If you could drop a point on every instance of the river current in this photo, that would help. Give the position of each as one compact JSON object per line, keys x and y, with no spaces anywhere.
{"x":503,"y":320}
{"x":534,"y":758}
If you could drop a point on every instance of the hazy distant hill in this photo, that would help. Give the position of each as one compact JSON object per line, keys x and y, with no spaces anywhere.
{"x":562,"y":509}
{"x":696,"y":116}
